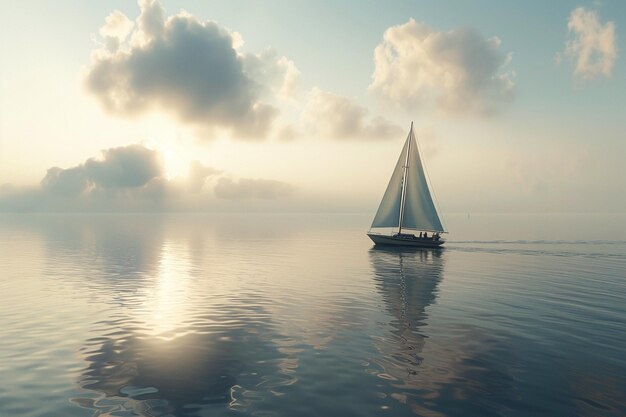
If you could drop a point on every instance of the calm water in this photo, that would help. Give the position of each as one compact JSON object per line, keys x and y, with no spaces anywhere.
{"x":298,"y":315}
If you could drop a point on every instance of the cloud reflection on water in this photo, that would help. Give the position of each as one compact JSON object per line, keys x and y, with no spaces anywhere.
{"x":273,"y":314}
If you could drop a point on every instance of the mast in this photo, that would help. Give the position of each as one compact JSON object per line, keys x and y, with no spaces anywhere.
{"x":404,"y":180}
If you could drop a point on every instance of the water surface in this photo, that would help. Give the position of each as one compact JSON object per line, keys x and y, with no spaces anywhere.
{"x":298,"y":315}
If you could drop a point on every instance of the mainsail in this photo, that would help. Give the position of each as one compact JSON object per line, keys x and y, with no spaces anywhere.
{"x":407,"y":198}
{"x":388,"y":214}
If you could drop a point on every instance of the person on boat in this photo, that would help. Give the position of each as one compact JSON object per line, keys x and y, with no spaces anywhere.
{"x":436,"y":236}
{"x":420,"y":235}
{"x":425,"y":235}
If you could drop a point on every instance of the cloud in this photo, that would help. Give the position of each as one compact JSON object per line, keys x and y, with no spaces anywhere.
{"x":125,"y":167}
{"x":115,"y":30}
{"x":65,"y":182}
{"x":246,"y":188}
{"x":333,"y":116}
{"x":288,"y":132}
{"x":274,"y":74}
{"x":198,"y":175}
{"x":460,"y":70}
{"x":129,"y":166}
{"x":132,"y":178}
{"x":188,"y":68}
{"x":593,"y":44}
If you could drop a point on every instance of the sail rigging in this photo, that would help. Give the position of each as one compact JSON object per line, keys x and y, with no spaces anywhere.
{"x":407,"y":202}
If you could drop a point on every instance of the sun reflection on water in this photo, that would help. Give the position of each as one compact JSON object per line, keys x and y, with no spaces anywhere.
{"x":167,"y":307}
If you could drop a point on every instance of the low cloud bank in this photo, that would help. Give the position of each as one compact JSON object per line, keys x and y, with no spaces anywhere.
{"x":132,"y":178}
{"x":126,"y":167}
{"x":252,"y":188}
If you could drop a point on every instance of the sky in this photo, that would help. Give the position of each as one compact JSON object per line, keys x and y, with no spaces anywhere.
{"x":294,"y":106}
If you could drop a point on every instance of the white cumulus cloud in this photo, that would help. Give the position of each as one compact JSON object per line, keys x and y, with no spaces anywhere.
{"x":593,"y":44}
{"x":189,"y":68}
{"x":459,"y":70}
{"x":337,"y":117}
{"x":115,"y":30}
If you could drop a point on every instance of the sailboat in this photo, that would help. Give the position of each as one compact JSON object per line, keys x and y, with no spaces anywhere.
{"x":407,"y":207}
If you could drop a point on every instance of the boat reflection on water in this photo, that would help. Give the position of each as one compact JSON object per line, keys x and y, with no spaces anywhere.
{"x":425,"y":360}
{"x":407,"y":281}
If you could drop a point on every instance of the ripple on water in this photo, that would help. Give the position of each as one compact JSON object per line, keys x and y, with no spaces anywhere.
{"x":299,"y":315}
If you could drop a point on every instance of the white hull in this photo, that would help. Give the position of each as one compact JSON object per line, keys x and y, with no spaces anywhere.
{"x":404,"y":241}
